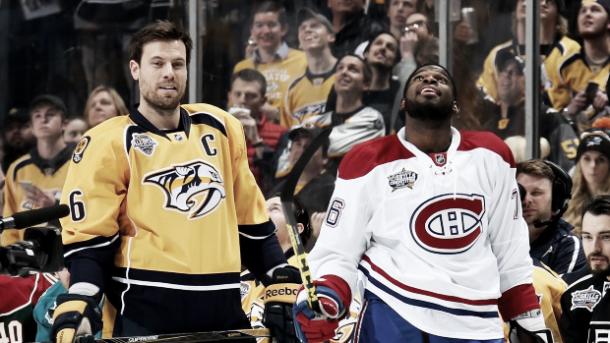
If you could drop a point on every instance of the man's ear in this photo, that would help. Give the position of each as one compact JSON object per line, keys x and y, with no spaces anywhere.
{"x":403,"y":104}
{"x":455,"y":108}
{"x":134,"y":68}
{"x":300,"y":228}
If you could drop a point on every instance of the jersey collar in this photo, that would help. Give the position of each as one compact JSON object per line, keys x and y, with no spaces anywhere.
{"x":183,"y":125}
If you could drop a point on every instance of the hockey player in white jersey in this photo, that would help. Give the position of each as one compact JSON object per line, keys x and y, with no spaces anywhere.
{"x":431,"y":217}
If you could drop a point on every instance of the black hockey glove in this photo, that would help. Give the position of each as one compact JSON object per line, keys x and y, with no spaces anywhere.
{"x":76,"y":315}
{"x":279,"y":298}
{"x":529,"y":327}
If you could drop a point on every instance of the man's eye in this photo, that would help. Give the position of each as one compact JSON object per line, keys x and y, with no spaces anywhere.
{"x":419,"y":78}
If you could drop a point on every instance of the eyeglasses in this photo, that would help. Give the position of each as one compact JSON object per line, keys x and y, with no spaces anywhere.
{"x":414,"y":25}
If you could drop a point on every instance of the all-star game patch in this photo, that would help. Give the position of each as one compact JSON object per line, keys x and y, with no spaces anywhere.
{"x":77,"y":156}
{"x":404,"y":178}
{"x":587,"y":299}
{"x":143,"y":143}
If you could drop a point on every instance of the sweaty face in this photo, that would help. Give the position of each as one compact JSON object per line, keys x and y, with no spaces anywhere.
{"x":102,"y":108}
{"x":267,"y":30}
{"x":538,"y":195}
{"x":594,"y":167}
{"x":596,"y":241}
{"x":161,"y":74}
{"x":429,"y":95}
{"x":349,"y":75}
{"x":592,"y":20}
{"x":314,"y":35}
{"x":382,"y":51}
{"x":399,"y":10}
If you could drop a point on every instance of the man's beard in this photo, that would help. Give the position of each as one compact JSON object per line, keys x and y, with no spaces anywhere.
{"x":428,"y":111}
{"x":162,"y":103}
{"x":592,"y":35}
{"x":601,"y":272}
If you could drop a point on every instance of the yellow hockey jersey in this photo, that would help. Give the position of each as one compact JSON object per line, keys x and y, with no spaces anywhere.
{"x":572,"y":77}
{"x":306,"y":96}
{"x":279,"y":74}
{"x":31,"y":169}
{"x":165,"y":219}
{"x":563,"y":49}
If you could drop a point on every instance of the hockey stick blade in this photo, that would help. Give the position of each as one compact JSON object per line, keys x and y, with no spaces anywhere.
{"x":287,"y":198}
{"x":193,"y":337}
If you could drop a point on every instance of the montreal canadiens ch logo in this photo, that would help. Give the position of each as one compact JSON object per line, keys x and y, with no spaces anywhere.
{"x":449,"y":223}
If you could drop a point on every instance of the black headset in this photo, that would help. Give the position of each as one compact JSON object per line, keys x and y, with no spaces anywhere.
{"x":562,"y":189}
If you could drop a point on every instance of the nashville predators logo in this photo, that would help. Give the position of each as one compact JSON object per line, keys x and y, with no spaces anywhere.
{"x":183,"y":182}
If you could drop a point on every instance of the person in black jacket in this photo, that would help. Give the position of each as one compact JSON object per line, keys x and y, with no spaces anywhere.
{"x":547,"y":192}
{"x":586,"y":302}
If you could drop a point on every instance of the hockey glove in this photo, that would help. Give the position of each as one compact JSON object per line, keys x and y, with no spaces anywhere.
{"x":279,"y":298}
{"x":529,"y":327}
{"x":334,"y":296}
{"x":75,"y":315}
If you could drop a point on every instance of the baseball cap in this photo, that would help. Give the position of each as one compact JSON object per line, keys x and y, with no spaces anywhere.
{"x":307,"y":13}
{"x":505,"y":56}
{"x":50,"y":99}
{"x":16,"y":115}
{"x":596,"y":140}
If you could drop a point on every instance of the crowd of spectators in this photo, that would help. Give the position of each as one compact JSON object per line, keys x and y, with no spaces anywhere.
{"x":344,"y":66}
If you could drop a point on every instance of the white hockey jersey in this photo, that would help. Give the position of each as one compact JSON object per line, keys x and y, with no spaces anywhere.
{"x":439,"y":237}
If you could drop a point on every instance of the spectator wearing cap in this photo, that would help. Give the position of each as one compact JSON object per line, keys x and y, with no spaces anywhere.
{"x":308,"y":93}
{"x":272,"y":57}
{"x":17,"y":136}
{"x":581,"y":81}
{"x":382,"y":54}
{"x":506,"y":116}
{"x":590,"y":177}
{"x":246,"y":99}
{"x":555,"y":46}
{"x":36,"y":179}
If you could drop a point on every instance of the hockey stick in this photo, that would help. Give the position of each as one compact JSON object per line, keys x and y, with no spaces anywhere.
{"x":287,"y":197}
{"x":193,"y":337}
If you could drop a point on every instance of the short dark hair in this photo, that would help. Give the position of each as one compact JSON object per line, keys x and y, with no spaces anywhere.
{"x":271,"y":6}
{"x":537,"y":168}
{"x":397,"y":56}
{"x":366,"y":70}
{"x":427,"y":65}
{"x":162,"y":30}
{"x":600,"y":205}
{"x":251,"y":75}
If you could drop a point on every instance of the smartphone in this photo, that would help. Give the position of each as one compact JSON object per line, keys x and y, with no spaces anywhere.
{"x":591,"y":91}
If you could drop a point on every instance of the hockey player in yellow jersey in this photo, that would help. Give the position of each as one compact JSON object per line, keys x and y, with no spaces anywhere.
{"x":164,"y":209}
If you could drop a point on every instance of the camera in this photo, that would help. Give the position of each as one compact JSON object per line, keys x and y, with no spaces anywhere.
{"x":41,"y":250}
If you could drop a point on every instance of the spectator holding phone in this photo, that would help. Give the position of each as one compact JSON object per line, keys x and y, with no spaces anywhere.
{"x":577,"y":86}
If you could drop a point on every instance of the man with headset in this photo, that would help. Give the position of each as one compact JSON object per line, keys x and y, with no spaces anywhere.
{"x":547,"y":191}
